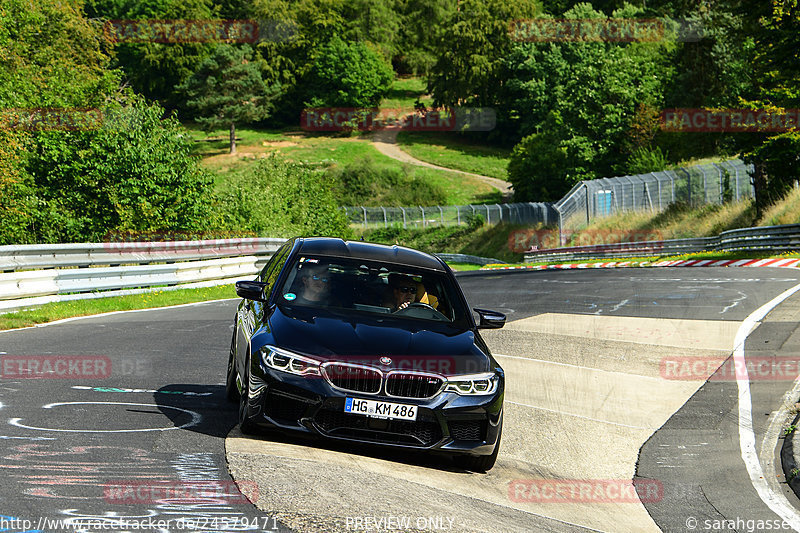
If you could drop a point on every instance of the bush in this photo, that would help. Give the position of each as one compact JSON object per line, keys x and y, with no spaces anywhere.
{"x":133,"y":172}
{"x":644,"y":160}
{"x":347,"y":75}
{"x":537,"y":169}
{"x":364,"y":182}
{"x":282,"y":199}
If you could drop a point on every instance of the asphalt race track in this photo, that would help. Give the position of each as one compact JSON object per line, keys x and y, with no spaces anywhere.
{"x":132,"y":431}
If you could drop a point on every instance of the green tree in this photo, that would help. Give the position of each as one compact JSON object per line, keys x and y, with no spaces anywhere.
{"x":346,"y":75}
{"x":582,"y":98}
{"x":155,"y":69}
{"x":132,"y":172}
{"x":471,"y":49}
{"x":774,"y":26}
{"x":539,"y":169}
{"x":227,"y":88}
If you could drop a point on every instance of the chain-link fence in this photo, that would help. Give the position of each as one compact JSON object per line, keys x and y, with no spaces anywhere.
{"x":452,"y":215}
{"x":695,"y":185}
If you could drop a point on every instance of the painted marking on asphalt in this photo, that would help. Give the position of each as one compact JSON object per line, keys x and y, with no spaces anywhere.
{"x":556,"y":411}
{"x":747,"y":439}
{"x":196,"y":418}
{"x":558,"y":363}
{"x":151,"y":391}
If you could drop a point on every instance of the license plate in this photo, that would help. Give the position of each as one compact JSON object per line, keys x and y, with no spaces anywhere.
{"x":378,"y":409}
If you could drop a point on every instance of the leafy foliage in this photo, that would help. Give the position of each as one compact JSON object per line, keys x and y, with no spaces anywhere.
{"x":132,"y":173}
{"x":539,"y":169}
{"x":155,"y":69}
{"x":470,"y":49}
{"x":346,"y":75}
{"x":363,"y":180}
{"x":227,"y":88}
{"x":282,"y":198}
{"x":581,"y":99}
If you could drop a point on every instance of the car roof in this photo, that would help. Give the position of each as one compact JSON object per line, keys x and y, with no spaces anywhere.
{"x":370,"y":251}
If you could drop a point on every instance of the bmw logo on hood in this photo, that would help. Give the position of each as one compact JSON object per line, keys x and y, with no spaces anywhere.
{"x":386,"y":361}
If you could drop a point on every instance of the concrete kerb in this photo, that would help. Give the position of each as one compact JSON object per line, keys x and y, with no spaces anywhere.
{"x":790,"y":457}
{"x":773,"y":262}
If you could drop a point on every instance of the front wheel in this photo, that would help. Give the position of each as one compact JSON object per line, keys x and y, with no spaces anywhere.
{"x":245,"y":424}
{"x":231,"y":392}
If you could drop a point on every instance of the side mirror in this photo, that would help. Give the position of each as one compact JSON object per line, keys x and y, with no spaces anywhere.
{"x":490,"y":319}
{"x":250,"y":290}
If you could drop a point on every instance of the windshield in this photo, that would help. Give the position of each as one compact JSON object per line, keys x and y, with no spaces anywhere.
{"x":373,"y":288}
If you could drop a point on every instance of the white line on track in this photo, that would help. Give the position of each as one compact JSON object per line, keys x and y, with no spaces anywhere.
{"x":747,"y":439}
{"x":557,"y":363}
{"x":579,"y":416}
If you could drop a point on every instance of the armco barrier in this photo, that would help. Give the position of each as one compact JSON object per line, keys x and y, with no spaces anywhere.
{"x":37,"y":274}
{"x":30,"y":256}
{"x":767,"y":238}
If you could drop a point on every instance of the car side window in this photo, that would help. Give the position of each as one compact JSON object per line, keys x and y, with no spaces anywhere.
{"x":270,"y":273}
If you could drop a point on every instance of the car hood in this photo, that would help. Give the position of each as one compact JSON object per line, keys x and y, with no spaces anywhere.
{"x":388,"y":343}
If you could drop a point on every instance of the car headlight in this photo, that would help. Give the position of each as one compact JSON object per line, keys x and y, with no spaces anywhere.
{"x":473,"y":384}
{"x":286,"y":361}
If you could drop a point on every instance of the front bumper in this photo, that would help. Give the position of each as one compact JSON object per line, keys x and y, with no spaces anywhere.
{"x":448,"y":422}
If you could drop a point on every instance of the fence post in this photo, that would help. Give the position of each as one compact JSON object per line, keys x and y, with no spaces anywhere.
{"x":385,"y":223}
{"x":488,"y":215}
{"x":500,"y":210}
{"x":458,"y":214}
{"x":688,"y":184}
{"x":441,"y":214}
{"x":721,"y":192}
{"x":403,"y":209}
{"x":658,"y":185}
{"x":365,"y":216}
{"x":705,"y":188}
{"x":586,"y":195}
{"x":672,"y":184}
{"x":423,"y":216}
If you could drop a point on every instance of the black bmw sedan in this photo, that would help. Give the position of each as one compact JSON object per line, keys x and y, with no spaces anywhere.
{"x":368,"y":343}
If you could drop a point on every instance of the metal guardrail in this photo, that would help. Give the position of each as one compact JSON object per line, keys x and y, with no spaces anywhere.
{"x":38,"y":274}
{"x":30,"y":256}
{"x":766,"y":238}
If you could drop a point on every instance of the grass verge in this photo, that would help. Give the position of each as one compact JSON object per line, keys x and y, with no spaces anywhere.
{"x":322,"y":151}
{"x":58,"y":310}
{"x":452,"y":150}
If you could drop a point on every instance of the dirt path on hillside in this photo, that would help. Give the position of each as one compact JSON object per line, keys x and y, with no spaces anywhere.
{"x":385,"y":141}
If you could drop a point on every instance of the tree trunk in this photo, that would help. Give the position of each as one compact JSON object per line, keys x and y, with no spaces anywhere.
{"x":233,"y":138}
{"x":760,"y":188}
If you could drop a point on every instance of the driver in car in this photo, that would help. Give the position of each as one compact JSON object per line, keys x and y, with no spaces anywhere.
{"x":404,"y":292}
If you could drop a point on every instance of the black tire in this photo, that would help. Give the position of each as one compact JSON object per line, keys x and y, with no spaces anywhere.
{"x":231,"y":392}
{"x":246,"y":425}
{"x":479,"y":463}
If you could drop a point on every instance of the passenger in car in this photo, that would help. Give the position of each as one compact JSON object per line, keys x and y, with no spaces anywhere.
{"x":422,"y":296}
